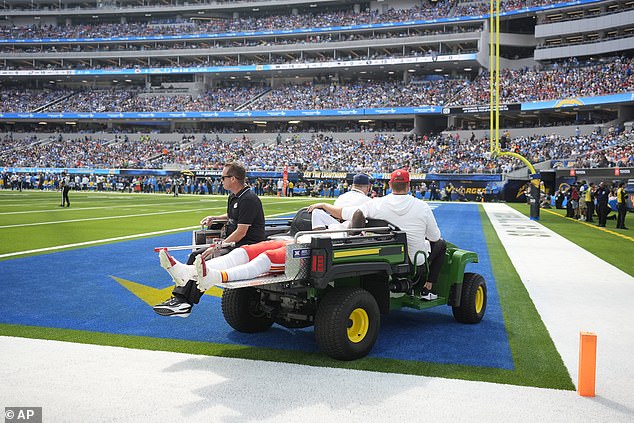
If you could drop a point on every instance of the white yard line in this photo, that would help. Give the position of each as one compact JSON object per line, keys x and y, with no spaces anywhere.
{"x":55,"y":222}
{"x":63,"y":210}
{"x":100,"y":241}
{"x":96,"y":241}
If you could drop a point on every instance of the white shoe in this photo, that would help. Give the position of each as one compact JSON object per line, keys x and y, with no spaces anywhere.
{"x":176,"y":269}
{"x":206,"y":277}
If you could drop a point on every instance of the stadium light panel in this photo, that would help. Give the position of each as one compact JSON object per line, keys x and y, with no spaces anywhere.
{"x":293,"y":122}
{"x":42,"y":123}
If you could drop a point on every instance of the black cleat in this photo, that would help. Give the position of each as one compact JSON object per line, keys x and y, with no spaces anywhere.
{"x":173,"y":307}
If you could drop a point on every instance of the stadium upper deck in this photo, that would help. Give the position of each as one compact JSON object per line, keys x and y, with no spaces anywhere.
{"x":176,"y":50}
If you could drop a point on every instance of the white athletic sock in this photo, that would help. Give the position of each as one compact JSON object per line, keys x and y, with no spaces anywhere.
{"x":257,"y":266}
{"x":234,"y":258}
{"x":215,"y":268}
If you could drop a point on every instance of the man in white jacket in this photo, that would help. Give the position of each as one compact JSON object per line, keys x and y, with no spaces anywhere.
{"x":412,"y":216}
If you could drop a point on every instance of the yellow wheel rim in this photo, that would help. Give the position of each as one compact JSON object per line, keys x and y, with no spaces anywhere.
{"x":479,"y":299}
{"x":359,"y":324}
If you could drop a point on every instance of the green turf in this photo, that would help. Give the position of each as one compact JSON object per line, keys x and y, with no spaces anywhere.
{"x":615,"y":246}
{"x":536,"y":360}
{"x":534,"y":354}
{"x":96,"y":216}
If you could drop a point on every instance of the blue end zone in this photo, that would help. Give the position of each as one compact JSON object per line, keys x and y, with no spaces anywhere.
{"x":75,"y":290}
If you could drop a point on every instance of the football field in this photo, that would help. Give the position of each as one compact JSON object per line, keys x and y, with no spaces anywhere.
{"x":88,"y":275}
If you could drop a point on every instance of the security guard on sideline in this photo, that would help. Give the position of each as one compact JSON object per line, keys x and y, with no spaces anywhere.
{"x":621,"y":206}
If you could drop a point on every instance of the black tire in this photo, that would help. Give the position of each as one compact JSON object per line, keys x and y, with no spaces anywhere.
{"x":241,"y":309}
{"x":473,"y":301}
{"x":347,"y":323}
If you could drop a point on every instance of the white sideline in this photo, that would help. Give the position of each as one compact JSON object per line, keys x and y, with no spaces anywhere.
{"x":76,"y":382}
{"x":574,"y":291}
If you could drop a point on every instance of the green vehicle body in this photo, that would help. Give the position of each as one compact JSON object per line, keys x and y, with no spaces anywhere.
{"x":343,"y":285}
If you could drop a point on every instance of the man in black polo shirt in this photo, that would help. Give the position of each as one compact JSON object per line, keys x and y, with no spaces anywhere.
{"x":245,"y":225}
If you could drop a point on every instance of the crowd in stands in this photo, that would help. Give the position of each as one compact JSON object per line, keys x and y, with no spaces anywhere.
{"x":377,"y":154}
{"x":245,"y":23}
{"x":426,"y":11}
{"x":220,"y":99}
{"x":234,"y":43}
{"x":482,"y":7}
{"x":360,"y":94}
{"x":568,"y":79}
{"x":558,"y":81}
{"x":83,"y":152}
{"x":25,"y":100}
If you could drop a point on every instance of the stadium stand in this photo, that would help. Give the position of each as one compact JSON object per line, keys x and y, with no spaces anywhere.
{"x":344,"y":87}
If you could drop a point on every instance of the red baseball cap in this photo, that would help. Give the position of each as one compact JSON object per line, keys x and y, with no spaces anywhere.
{"x":399,"y":175}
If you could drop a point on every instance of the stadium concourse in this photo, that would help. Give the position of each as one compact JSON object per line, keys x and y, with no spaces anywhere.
{"x":77,"y":382}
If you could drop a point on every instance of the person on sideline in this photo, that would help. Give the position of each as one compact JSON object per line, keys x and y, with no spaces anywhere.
{"x":245,"y":225}
{"x":621,"y":206}
{"x":602,"y":194}
{"x":65,"y":185}
{"x":589,"y":199}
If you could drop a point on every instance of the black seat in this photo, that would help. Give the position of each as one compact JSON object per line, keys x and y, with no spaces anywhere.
{"x":301,"y":222}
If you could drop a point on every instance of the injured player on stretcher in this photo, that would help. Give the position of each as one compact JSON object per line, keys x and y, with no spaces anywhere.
{"x":243,"y":263}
